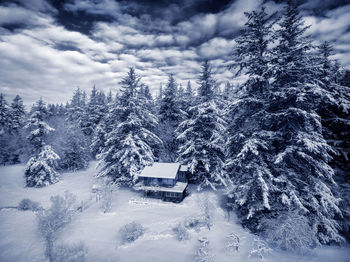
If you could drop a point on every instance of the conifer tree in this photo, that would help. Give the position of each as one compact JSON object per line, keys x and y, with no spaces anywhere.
{"x":4,"y":130}
{"x":248,"y":143}
{"x":41,"y":167}
{"x":170,"y":116}
{"x":127,"y":148}
{"x":301,"y":163}
{"x":202,"y":136}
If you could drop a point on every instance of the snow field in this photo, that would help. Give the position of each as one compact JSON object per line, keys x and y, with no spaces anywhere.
{"x":19,"y":240}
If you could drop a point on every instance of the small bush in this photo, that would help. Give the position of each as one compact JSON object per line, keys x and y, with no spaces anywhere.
{"x":181,"y":232}
{"x":289,"y":231}
{"x":106,"y":195}
{"x":194,"y":222}
{"x":27,"y":204}
{"x":70,"y":253}
{"x":51,"y":221}
{"x":130,"y":232}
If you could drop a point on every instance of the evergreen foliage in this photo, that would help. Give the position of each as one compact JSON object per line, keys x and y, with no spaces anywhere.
{"x":127,"y":148}
{"x":202,"y":136}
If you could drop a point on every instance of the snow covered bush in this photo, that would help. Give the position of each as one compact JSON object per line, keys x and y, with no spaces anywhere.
{"x":51,"y":221}
{"x":70,"y":253}
{"x":207,"y":213}
{"x":130,"y":232}
{"x":290,"y":231}
{"x":41,"y":169}
{"x":27,"y":204}
{"x":194,"y":222}
{"x":106,"y":196}
{"x":204,"y":253}
{"x":232,"y":244}
{"x":260,"y":249}
{"x":181,"y":232}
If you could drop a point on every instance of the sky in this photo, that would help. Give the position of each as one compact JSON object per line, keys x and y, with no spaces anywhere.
{"x":48,"y":48}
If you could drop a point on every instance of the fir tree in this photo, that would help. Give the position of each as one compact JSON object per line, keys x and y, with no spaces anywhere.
{"x":4,"y":114}
{"x":248,"y":142}
{"x":127,"y":148}
{"x":170,"y":116}
{"x":4,"y":130}
{"x":41,"y":167}
{"x":17,"y":113}
{"x":301,"y":163}
{"x":202,"y":136}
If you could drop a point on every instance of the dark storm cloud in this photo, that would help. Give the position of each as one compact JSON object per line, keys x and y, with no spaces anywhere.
{"x":48,"y":48}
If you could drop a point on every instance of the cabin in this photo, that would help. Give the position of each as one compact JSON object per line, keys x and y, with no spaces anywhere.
{"x":167,"y":181}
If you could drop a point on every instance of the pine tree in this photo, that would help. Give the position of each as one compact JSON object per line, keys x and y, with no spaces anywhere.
{"x":4,"y":114}
{"x":4,"y":131}
{"x":202,"y":136}
{"x":334,"y":110}
{"x":170,"y":116}
{"x":75,"y":110}
{"x":301,"y":164}
{"x":127,"y":148}
{"x":16,"y":123}
{"x":249,"y":141}
{"x":41,"y":167}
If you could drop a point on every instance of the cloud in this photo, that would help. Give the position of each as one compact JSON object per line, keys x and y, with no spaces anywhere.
{"x":16,"y":15}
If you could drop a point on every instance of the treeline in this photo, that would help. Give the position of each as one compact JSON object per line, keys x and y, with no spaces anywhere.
{"x":279,"y":144}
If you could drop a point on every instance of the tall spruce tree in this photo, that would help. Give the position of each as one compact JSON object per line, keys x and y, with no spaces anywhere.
{"x":249,"y":141}
{"x":301,"y":164}
{"x":41,"y":167}
{"x":4,"y":130}
{"x":202,"y":136}
{"x":170,"y":116}
{"x":335,"y":117}
{"x":127,"y":148}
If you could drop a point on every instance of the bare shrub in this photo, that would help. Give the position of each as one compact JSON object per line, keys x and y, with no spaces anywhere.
{"x":289,"y":231}
{"x":130,"y":232}
{"x":181,"y":232}
{"x":232,"y":244}
{"x":54,"y":219}
{"x":27,"y":204}
{"x":70,"y":253}
{"x":204,"y":253}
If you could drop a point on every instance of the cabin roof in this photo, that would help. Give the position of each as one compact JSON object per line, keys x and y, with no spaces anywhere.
{"x":178,"y":188}
{"x":161,"y":170}
{"x":184,"y":168}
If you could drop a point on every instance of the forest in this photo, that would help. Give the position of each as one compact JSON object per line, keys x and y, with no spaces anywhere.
{"x":277,"y":145}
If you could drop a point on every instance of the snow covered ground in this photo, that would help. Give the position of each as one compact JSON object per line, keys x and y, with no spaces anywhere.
{"x":19,"y":240}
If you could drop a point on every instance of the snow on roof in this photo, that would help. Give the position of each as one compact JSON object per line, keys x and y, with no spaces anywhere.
{"x":161,"y":170}
{"x":184,"y":168}
{"x":178,"y":188}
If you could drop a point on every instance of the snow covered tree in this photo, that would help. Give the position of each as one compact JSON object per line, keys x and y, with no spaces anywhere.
{"x":301,"y":160}
{"x":277,"y":157}
{"x":17,"y":114}
{"x":202,"y":136}
{"x":4,"y":130}
{"x":51,"y":221}
{"x":170,"y":115}
{"x":41,"y":167}
{"x":94,"y":111}
{"x":4,"y":114}
{"x":74,"y":150}
{"x":204,"y":253}
{"x":127,"y":148}
{"x":248,"y":143}
{"x":334,"y":110}
{"x":75,"y":110}
{"x":16,"y":138}
{"x":37,"y":126}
